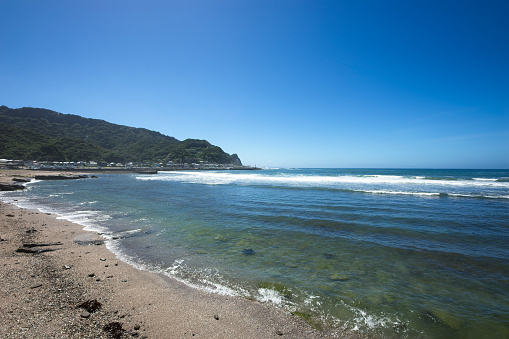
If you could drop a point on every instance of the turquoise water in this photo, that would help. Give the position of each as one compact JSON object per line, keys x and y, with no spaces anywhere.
{"x":390,"y":253}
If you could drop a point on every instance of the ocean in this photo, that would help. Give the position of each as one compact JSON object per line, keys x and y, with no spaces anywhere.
{"x":391,"y":253}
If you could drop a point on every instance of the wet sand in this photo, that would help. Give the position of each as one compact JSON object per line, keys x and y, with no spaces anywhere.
{"x":40,"y":293}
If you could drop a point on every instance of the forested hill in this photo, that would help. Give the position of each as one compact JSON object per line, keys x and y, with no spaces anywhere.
{"x":40,"y":134}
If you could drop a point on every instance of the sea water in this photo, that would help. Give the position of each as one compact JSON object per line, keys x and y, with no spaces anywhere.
{"x":384,"y":252}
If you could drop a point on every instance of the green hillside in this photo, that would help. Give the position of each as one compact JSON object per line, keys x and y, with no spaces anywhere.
{"x":39,"y":134}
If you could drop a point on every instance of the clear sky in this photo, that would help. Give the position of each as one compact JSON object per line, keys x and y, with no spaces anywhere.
{"x":282,"y":83}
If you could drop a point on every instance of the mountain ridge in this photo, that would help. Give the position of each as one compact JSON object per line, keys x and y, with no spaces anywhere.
{"x":29,"y":133}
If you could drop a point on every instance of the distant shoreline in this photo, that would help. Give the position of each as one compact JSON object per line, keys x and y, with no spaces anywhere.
{"x":143,"y":170}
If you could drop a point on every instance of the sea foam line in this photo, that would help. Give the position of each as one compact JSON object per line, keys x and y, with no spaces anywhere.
{"x":215,"y":178}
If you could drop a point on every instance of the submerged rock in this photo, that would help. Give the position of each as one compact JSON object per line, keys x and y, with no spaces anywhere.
{"x":338,"y":277}
{"x":248,"y":251}
{"x":328,"y":256}
{"x":445,"y":318}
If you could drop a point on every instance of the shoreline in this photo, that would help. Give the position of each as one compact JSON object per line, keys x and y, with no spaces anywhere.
{"x":41,"y":291}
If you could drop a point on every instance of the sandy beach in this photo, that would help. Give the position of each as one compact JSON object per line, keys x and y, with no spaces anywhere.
{"x":43,"y":287}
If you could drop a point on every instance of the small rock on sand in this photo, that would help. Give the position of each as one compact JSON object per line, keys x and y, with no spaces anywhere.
{"x":84,"y":314}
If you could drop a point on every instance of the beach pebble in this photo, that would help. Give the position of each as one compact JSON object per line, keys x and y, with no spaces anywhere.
{"x":85,"y":314}
{"x":67,"y":267}
{"x":91,"y":275}
{"x":137,"y":327}
{"x":103,"y":259}
{"x":279,"y":332}
{"x":216,"y":317}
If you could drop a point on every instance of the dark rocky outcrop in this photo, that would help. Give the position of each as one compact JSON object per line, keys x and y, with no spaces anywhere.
{"x":21,"y":180}
{"x":11,"y":187}
{"x":60,"y":177}
{"x":235,"y":160}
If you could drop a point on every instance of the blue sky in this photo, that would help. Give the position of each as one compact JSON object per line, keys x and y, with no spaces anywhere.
{"x":282,"y":83}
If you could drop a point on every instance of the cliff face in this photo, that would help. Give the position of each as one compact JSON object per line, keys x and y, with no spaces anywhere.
{"x":40,"y":134}
{"x":235,"y":160}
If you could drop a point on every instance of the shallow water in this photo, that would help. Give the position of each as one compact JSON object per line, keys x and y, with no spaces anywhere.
{"x":393,"y":253}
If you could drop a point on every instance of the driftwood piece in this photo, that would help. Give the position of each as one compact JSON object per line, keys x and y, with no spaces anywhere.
{"x":35,"y":250}
{"x":42,"y":244}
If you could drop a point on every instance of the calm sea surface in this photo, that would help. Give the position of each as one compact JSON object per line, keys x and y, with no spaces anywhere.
{"x":391,"y":253}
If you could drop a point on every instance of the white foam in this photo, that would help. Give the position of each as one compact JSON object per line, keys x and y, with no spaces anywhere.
{"x":175,"y":271}
{"x":269,"y":295}
{"x":363,"y":319}
{"x":87,"y":203}
{"x":216,"y":288}
{"x":89,"y":219}
{"x":428,"y":194}
{"x":33,"y":181}
{"x":478,"y":196}
{"x":299,"y":180}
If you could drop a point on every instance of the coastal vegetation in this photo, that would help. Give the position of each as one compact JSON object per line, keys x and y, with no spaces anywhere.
{"x":40,"y":134}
